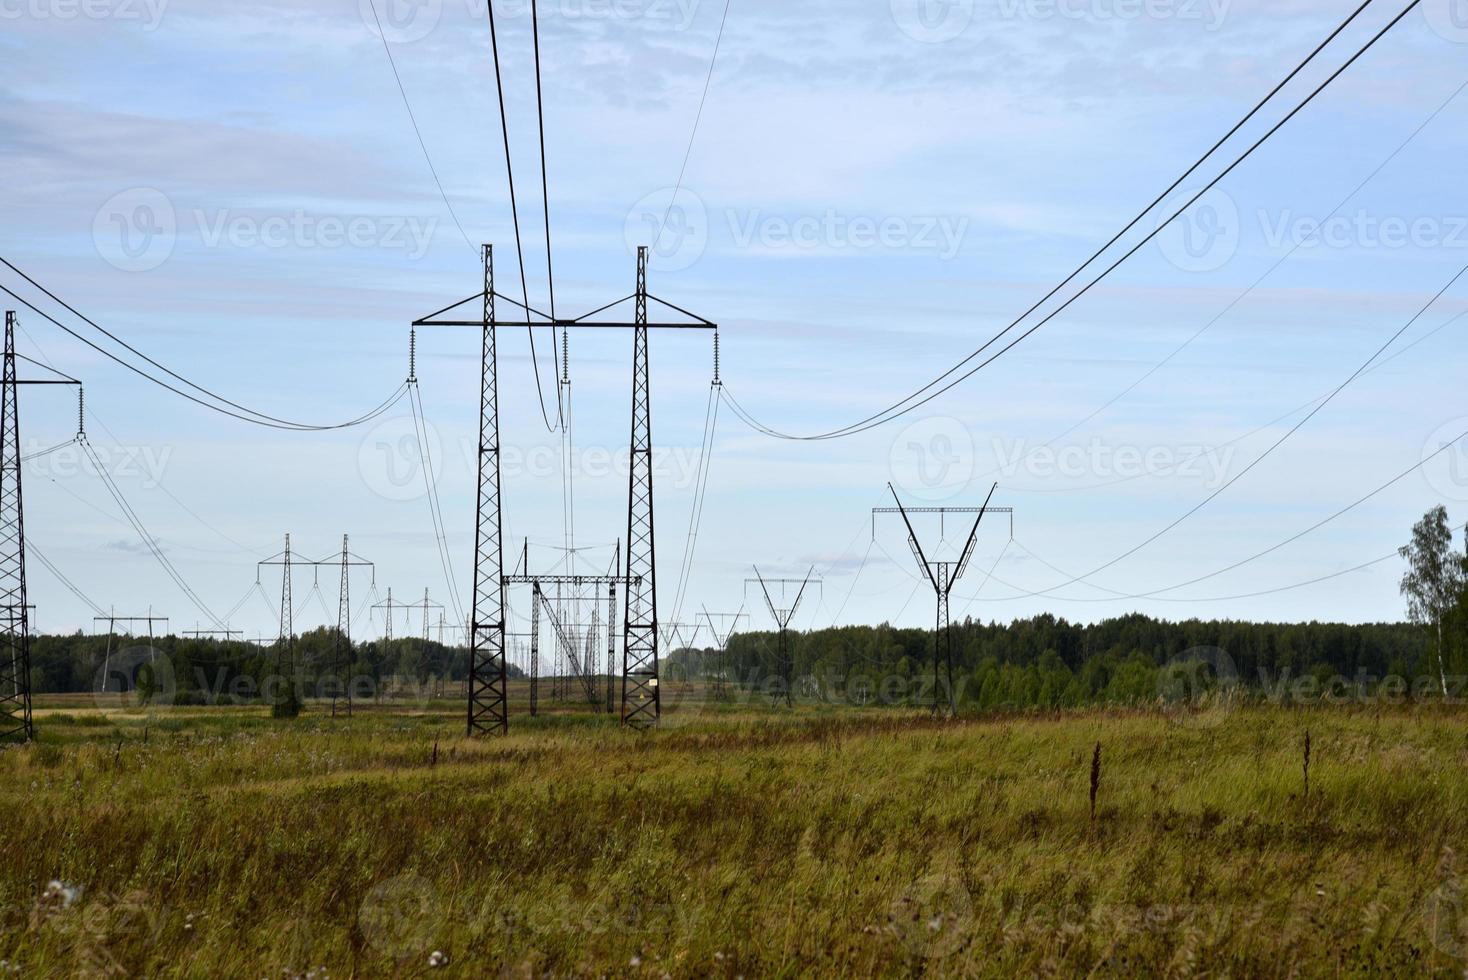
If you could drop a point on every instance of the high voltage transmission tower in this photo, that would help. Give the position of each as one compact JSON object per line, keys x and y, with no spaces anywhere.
{"x":487,"y":701}
{"x":722,"y":626}
{"x":389,"y":605}
{"x":15,"y":633}
{"x":112,"y":619}
{"x":341,"y":656}
{"x":942,"y":575}
{"x":783,"y":614}
{"x":681,"y":637}
{"x":425,"y":605}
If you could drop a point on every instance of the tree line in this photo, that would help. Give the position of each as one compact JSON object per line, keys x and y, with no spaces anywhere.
{"x":1040,"y":662}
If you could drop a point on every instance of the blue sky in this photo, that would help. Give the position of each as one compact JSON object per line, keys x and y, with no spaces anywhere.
{"x":876,"y":188}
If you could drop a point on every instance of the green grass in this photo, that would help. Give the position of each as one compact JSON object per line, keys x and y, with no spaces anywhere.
{"x":737,"y":841}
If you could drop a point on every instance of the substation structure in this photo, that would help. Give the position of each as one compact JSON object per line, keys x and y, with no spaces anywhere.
{"x":488,"y":705}
{"x":784,"y":659}
{"x":16,"y":722}
{"x":583,"y":667}
{"x":942,"y":576}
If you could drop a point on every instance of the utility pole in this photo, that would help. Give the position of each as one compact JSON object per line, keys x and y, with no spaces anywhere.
{"x":727,"y":624}
{"x":942,"y":575}
{"x":785,"y":660}
{"x":15,"y":631}
{"x":488,"y":712}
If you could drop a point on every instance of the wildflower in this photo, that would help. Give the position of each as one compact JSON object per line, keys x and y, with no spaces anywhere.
{"x":437,"y":959}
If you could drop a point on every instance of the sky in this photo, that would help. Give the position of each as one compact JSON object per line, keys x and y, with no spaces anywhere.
{"x":874,"y":190}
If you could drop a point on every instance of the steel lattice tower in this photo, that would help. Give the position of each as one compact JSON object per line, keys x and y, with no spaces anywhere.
{"x":488,"y":705}
{"x":15,"y":637}
{"x":285,"y":654}
{"x":341,"y":693}
{"x":641,"y":700}
{"x":487,"y":689}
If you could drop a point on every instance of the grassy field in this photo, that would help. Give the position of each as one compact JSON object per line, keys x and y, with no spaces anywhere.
{"x":736,"y":842}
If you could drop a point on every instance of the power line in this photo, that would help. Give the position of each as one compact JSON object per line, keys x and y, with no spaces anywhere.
{"x":1281,"y":440}
{"x":700,"y":492}
{"x":387,"y":49}
{"x":259,"y":418}
{"x":544,"y":179}
{"x":31,"y":549}
{"x":147,"y":538}
{"x":1023,"y":594}
{"x":697,"y":118}
{"x":515,"y":215}
{"x":440,"y":533}
{"x":897,"y":410}
{"x":1248,"y":291}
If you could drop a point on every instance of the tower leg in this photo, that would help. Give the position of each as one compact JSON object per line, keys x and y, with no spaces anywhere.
{"x":787,"y":667}
{"x":535,"y":652}
{"x":611,"y":646}
{"x":641,"y":699}
{"x":488,"y":707}
{"x":15,"y":634}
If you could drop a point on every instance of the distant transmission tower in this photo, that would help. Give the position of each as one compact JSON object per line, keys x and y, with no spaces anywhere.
{"x":112,"y":619}
{"x":942,"y":575}
{"x":341,"y":643}
{"x":16,"y":721}
{"x":285,"y":651}
{"x":784,"y":659}
{"x":722,"y":626}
